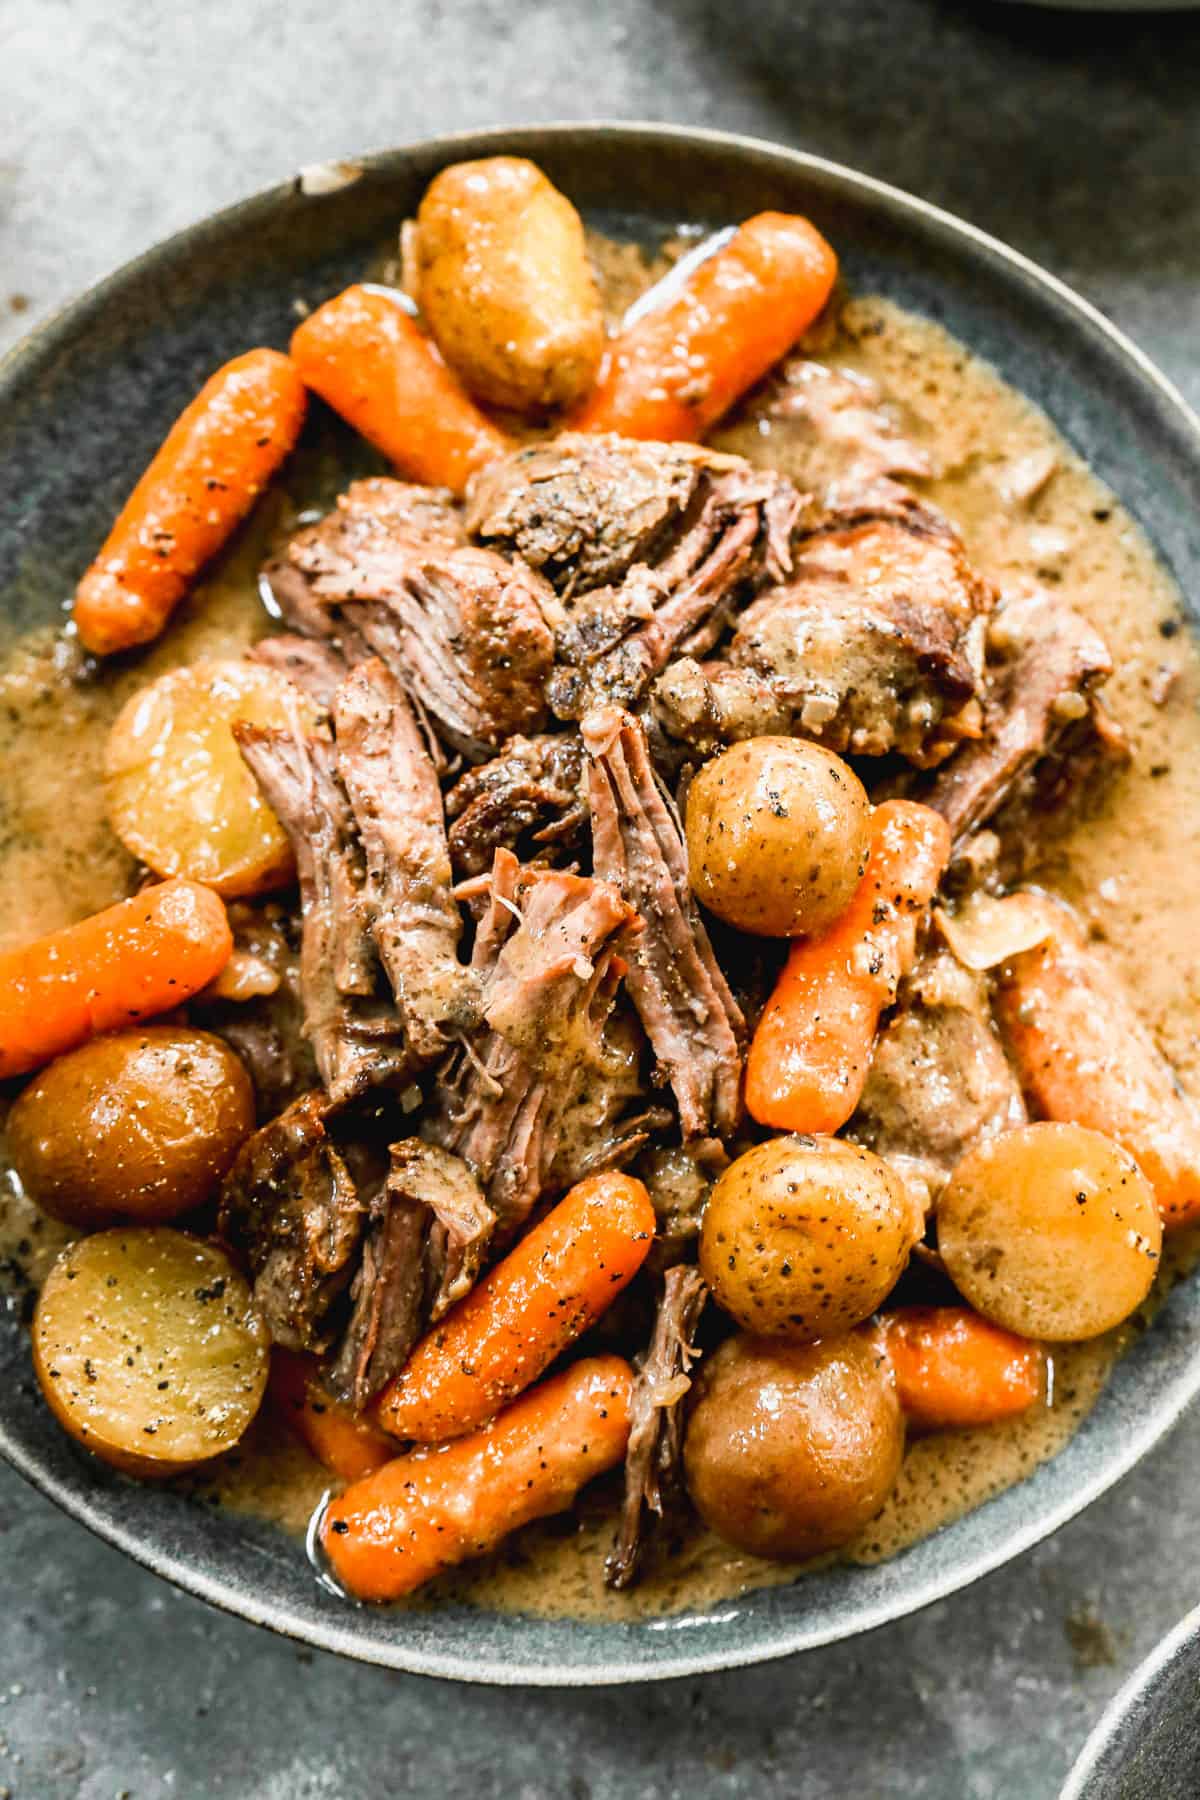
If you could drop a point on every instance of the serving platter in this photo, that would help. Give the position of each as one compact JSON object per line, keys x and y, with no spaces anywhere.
{"x":82,"y":405}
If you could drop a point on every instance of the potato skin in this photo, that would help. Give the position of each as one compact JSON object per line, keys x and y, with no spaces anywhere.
{"x":140,"y":1125}
{"x":504,"y":282}
{"x":149,"y":1350}
{"x":792,"y":1448}
{"x":1051,"y":1231}
{"x":804,"y":1236}
{"x":777,"y":833}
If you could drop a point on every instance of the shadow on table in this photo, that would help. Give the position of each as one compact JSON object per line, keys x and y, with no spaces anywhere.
{"x":1075,"y":137}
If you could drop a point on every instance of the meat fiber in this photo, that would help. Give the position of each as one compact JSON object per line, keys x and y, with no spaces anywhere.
{"x":546,"y":955}
{"x":683,"y":1000}
{"x":290,"y":1204}
{"x":653,"y":1460}
{"x":357,"y":1035}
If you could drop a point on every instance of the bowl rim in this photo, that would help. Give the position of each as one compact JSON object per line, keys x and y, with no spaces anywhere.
{"x":338,"y":1636}
{"x":1104,"y":1748}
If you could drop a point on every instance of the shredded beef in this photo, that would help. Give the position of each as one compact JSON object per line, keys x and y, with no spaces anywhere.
{"x":529,"y":798}
{"x":736,"y":530}
{"x":289,"y":1202}
{"x":357,"y":1037}
{"x":1044,"y":728}
{"x":387,"y":773}
{"x":584,"y":508}
{"x":874,"y":645}
{"x":684,"y":1002}
{"x":939,"y":1081}
{"x":545,"y":953}
{"x":312,"y":664}
{"x":837,"y":426}
{"x":426,"y":1237}
{"x":652,"y":1461}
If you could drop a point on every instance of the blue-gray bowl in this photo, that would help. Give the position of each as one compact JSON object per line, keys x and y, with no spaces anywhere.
{"x":1146,"y":1745}
{"x":82,"y":406}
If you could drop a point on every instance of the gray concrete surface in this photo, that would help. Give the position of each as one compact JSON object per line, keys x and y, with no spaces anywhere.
{"x":1078,"y":140}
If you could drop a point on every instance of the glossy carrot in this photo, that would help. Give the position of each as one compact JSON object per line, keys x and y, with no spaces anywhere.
{"x":370,"y":361}
{"x":424,"y":1512}
{"x":674,"y":372}
{"x":346,"y":1443}
{"x":556,"y":1282}
{"x":1085,"y":1058}
{"x":953,"y":1368}
{"x":140,"y":957}
{"x":811,"y":1052}
{"x":214,"y":462}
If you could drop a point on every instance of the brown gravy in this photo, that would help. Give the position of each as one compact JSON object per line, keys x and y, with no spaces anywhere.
{"x":1133,"y":867}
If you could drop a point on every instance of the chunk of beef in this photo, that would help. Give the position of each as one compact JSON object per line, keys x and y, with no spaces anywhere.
{"x":836,"y":425}
{"x":584,"y":508}
{"x":653,"y":1460}
{"x":377,"y":526}
{"x":679,"y":1179}
{"x":939,"y":1081}
{"x":426,"y":1238}
{"x":604,"y":1121}
{"x":262,"y":1018}
{"x":1044,"y":727}
{"x":689,"y":1015}
{"x":467,"y":633}
{"x":529,"y":798}
{"x":290,"y":1204}
{"x":462,"y":628}
{"x":545,"y":952}
{"x":736,"y":530}
{"x":314,"y":665}
{"x":357,"y":1037}
{"x":387,"y":773}
{"x":874,"y":645}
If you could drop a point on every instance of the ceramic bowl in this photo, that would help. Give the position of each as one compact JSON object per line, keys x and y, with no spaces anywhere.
{"x":1146,"y":1745}
{"x":83,"y":403}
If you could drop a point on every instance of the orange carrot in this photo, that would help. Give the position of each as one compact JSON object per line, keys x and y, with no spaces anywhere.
{"x":373,"y":364}
{"x":556,"y":1282}
{"x":424,"y":1512}
{"x":140,"y":957}
{"x":812,"y":1049}
{"x":216,"y":459}
{"x":1085,"y":1058}
{"x":953,"y":1368}
{"x":674,"y":372}
{"x":349,"y":1445}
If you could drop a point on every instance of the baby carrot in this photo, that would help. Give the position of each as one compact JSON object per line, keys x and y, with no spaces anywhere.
{"x":367,"y":359}
{"x":424,"y":1512}
{"x":675,"y":372}
{"x":556,"y":1282}
{"x":811,"y":1052}
{"x":1085,"y":1058}
{"x":214,"y":462}
{"x":140,"y":957}
{"x":953,"y":1368}
{"x":352,"y":1447}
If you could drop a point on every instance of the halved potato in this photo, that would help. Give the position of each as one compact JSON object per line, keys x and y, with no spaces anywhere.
{"x":179,"y":795}
{"x":149,"y":1350}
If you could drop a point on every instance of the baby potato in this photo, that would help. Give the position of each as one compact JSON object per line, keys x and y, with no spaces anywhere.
{"x":1051,"y":1231}
{"x":804,"y":1236}
{"x":148,"y":1349}
{"x":504,"y":282}
{"x":792,"y":1448}
{"x":179,"y":795}
{"x":777,"y":836}
{"x":141,"y":1125}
